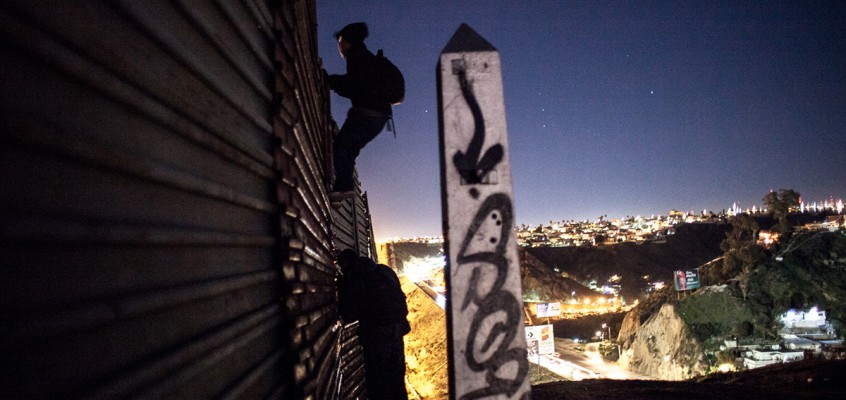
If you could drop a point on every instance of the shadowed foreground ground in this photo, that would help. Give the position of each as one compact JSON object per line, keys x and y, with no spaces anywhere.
{"x":802,"y":380}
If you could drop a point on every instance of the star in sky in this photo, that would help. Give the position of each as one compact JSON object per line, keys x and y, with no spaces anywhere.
{"x":752,"y":97}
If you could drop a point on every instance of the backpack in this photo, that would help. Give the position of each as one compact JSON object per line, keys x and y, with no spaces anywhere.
{"x":389,"y":82}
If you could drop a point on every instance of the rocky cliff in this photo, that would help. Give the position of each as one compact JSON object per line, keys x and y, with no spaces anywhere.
{"x":662,"y":346}
{"x":666,"y":335}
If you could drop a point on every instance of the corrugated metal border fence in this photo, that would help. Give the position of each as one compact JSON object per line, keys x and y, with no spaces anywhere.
{"x":164,"y":225}
{"x":303,"y":160}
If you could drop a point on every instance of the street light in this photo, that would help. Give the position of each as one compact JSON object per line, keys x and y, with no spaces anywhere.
{"x":609,"y":330}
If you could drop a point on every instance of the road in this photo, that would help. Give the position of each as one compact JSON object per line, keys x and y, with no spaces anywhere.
{"x":573,"y":364}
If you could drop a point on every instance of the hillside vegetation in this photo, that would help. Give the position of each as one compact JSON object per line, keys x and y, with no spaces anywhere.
{"x":807,"y":270}
{"x":542,"y":283}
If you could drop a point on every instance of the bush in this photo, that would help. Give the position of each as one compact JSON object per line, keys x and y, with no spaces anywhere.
{"x":715,"y":314}
{"x":744,"y":329}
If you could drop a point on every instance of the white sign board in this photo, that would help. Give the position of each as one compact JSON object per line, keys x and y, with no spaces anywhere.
{"x":548,"y":310}
{"x":542,"y":334}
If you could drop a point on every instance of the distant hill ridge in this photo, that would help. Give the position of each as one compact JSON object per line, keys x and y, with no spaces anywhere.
{"x":691,"y":246}
{"x":543,"y":283}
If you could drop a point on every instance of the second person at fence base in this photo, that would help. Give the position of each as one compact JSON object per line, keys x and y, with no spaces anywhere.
{"x":371,"y":294}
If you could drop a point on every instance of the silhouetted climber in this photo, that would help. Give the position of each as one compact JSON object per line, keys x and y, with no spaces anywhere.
{"x":372,"y":84}
{"x":371,"y":293}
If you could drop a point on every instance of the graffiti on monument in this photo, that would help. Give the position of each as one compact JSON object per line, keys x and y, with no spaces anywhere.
{"x":490,"y":337}
{"x":471,"y":167}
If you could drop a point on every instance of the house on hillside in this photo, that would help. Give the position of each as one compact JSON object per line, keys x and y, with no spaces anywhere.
{"x":762,"y":358}
{"x":810,"y":321}
{"x":767,"y":239}
{"x":794,"y":342}
{"x":834,"y":222}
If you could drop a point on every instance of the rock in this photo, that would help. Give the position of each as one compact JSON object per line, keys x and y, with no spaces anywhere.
{"x":662,"y":347}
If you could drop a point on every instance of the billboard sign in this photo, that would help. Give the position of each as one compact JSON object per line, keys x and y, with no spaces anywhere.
{"x":542,"y":335}
{"x":548,"y":310}
{"x":686,"y":280}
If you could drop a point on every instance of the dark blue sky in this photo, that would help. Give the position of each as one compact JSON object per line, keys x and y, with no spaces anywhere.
{"x":618,"y":108}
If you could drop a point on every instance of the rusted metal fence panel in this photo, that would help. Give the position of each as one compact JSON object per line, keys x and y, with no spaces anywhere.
{"x":303,"y":158}
{"x":353,"y":227}
{"x":164,"y":223}
{"x":350,"y":379}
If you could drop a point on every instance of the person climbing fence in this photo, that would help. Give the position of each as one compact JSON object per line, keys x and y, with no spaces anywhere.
{"x":373,"y":84}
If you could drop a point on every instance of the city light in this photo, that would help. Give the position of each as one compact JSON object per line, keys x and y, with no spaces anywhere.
{"x":417,"y":269}
{"x":727,"y":367}
{"x":651,"y":229}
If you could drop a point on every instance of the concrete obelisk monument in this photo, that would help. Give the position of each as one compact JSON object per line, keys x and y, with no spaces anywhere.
{"x":486,"y":339}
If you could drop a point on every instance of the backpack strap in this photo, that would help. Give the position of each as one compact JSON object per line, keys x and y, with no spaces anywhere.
{"x":392,"y":127}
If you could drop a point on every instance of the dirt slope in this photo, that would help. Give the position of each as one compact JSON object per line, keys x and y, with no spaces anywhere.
{"x":425,"y":346}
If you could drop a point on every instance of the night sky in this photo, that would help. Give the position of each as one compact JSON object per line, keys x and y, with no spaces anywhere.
{"x":616,"y":108}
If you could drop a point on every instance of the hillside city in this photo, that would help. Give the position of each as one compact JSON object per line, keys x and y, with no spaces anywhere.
{"x":637,"y":229}
{"x":805,"y":332}
{"x":604,"y":231}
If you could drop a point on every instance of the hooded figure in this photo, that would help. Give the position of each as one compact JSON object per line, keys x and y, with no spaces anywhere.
{"x":368,"y":115}
{"x":371,"y":294}
{"x":356,"y":83}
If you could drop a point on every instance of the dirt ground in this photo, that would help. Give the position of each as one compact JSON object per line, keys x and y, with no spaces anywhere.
{"x":425,"y":345}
